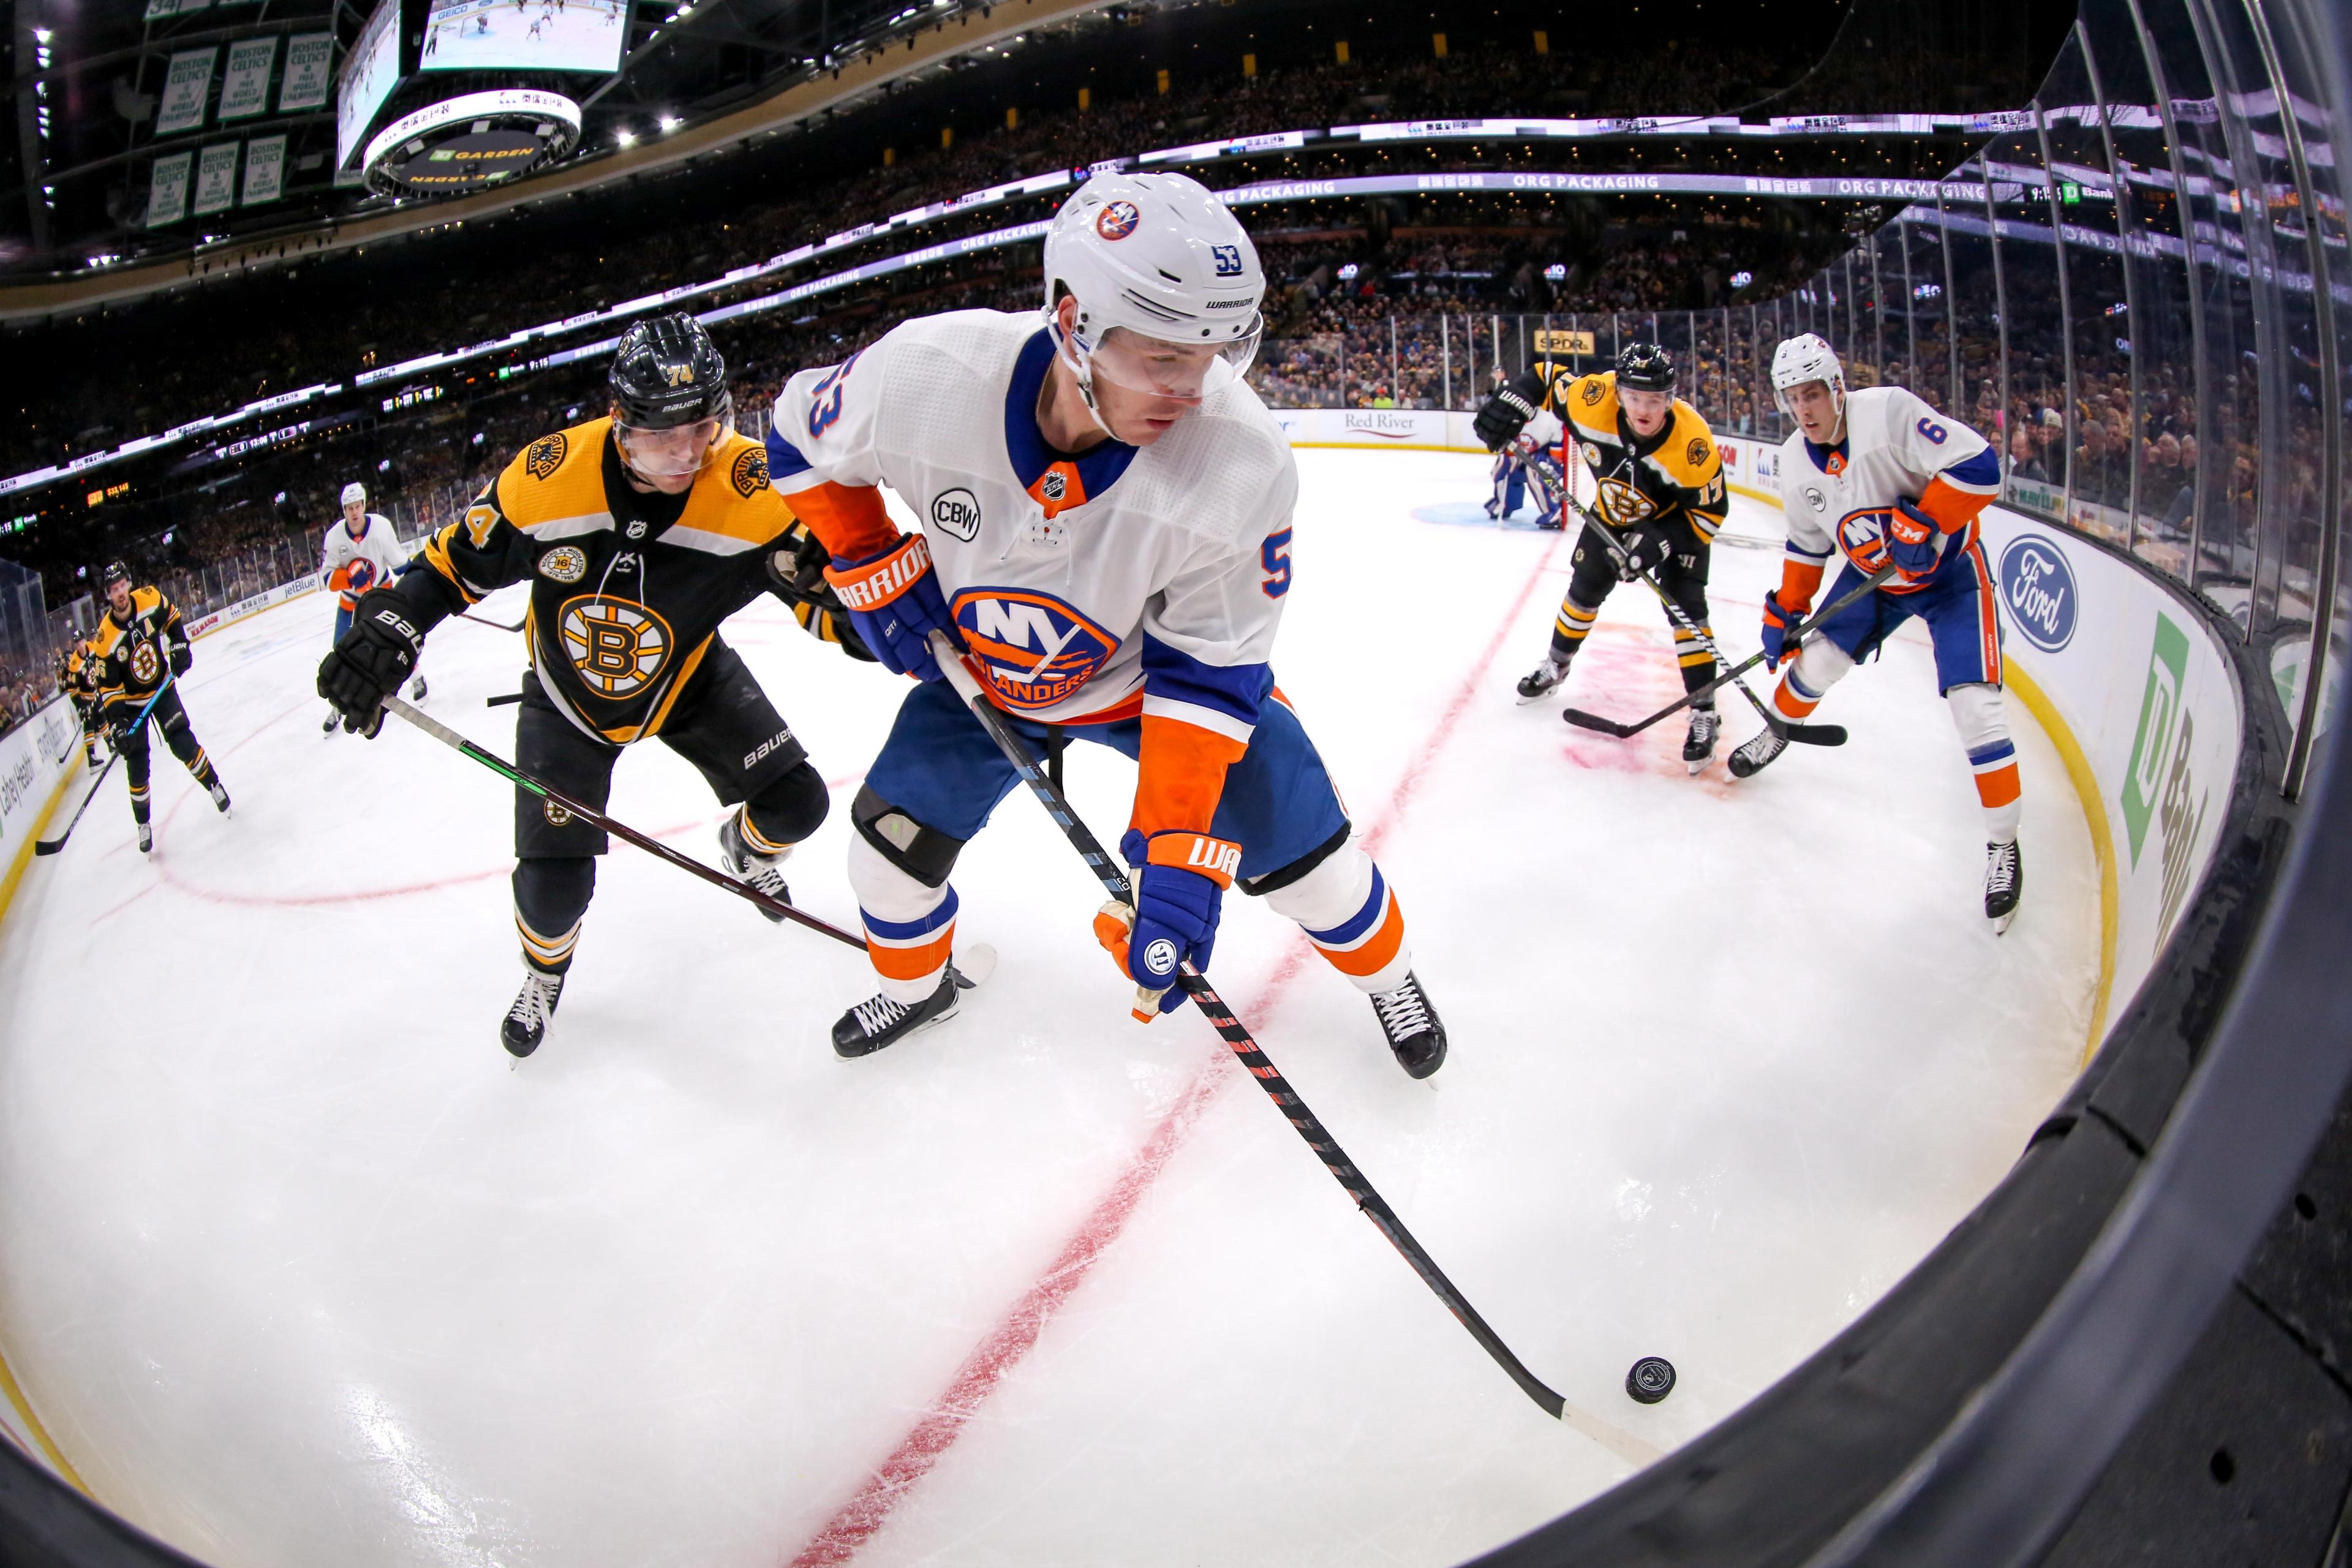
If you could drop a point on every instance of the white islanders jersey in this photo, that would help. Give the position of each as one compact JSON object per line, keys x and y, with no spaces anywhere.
{"x":1070,"y":579}
{"x":368,"y":562}
{"x":1836,"y":498}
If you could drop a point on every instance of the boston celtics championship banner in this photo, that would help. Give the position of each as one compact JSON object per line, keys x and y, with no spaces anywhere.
{"x":185,"y":86}
{"x":167,"y":194}
{"x":244,"y":89}
{"x":216,"y":178}
{"x":310,"y":71}
{"x":265,"y":171}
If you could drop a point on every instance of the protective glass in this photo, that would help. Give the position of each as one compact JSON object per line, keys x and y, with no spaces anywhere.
{"x":1162,"y":369}
{"x":669,"y":453}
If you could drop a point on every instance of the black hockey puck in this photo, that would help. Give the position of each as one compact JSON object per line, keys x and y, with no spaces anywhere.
{"x":1652,"y":1379}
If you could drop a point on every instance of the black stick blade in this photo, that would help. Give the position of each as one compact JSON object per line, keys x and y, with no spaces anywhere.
{"x":1816,"y":734}
{"x":49,"y":846}
{"x":1583,"y":720}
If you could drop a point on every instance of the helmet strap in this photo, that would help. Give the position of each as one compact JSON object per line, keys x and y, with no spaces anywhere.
{"x":1082,"y":369}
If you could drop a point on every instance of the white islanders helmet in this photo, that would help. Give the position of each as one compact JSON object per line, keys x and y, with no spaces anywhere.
{"x":1159,"y":257}
{"x":354,"y":491}
{"x":1806,"y":358}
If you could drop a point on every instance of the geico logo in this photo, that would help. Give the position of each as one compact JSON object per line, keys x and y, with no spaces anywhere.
{"x":616,"y":645}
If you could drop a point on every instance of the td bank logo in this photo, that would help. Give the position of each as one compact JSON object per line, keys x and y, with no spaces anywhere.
{"x":2161,"y":791}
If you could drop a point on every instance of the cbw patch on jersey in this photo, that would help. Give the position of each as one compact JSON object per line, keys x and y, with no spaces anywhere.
{"x":1035,"y":649}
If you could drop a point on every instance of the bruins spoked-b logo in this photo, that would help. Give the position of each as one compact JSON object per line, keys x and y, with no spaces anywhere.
{"x":546,"y":456}
{"x":618,"y":646}
{"x":1624,"y":504}
{"x":144,"y":666}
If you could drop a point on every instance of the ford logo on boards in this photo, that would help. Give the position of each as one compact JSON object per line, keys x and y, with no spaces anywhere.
{"x":2037,"y":589}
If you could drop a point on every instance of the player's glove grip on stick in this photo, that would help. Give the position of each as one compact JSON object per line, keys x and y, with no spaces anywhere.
{"x":1647,"y":549}
{"x":370,"y":661}
{"x":1178,"y":891}
{"x":1504,"y":416}
{"x":1914,"y":541}
{"x":1778,"y":618}
{"x":895,"y":604}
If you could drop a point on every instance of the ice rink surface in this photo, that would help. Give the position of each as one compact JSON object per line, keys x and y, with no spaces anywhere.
{"x":298,"y":1267}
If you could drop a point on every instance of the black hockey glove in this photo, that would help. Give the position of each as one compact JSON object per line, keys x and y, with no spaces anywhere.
{"x":1646,"y":548}
{"x":797,"y":575}
{"x":371,"y":661}
{"x":181,"y":658}
{"x":1508,"y":412}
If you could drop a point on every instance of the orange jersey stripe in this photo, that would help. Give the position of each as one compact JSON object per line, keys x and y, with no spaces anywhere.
{"x":1180,"y":776}
{"x":848,"y":520}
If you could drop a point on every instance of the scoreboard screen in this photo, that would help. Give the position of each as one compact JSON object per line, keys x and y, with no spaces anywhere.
{"x":524,"y":34}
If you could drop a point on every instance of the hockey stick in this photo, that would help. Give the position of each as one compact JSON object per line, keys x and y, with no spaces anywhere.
{"x":652,"y":846}
{"x":1286,"y":1099}
{"x":1804,"y":734}
{"x":1794,"y":636}
{"x":484,"y":621}
{"x":51,"y":845}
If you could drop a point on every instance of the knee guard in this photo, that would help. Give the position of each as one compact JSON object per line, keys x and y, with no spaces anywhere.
{"x":550,"y":897}
{"x":791,"y":807}
{"x":923,"y":853}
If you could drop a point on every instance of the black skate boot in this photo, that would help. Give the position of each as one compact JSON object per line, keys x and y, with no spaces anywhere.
{"x":416,"y":689}
{"x":526,"y":1022}
{"x":219,"y":792}
{"x":1539,"y":683}
{"x":1412,"y":1024}
{"x":878,"y":1021}
{"x":1757,"y":754}
{"x":2004,"y":882}
{"x":1698,"y":746}
{"x":334,"y":722}
{"x":146,"y":837}
{"x":739,"y":861}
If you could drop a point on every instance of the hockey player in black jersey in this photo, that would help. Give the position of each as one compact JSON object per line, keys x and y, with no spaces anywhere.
{"x":140,"y":645}
{"x":77,"y":678}
{"x":1661,"y":494}
{"x":639,"y":532}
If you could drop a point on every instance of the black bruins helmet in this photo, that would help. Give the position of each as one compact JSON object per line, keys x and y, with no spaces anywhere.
{"x":116,"y":571}
{"x":1645,"y":367}
{"x":667,"y":372}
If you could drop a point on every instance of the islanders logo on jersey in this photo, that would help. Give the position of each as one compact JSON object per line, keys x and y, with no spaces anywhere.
{"x":360,"y":573}
{"x":1035,"y":649}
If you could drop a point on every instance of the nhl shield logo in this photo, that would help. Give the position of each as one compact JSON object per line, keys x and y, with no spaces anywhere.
{"x":1035,"y":649}
{"x":1117,"y":220}
{"x":1056,"y":486}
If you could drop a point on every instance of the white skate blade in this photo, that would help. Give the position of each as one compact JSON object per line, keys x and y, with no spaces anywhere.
{"x":972,"y":965}
{"x":2001,"y":923}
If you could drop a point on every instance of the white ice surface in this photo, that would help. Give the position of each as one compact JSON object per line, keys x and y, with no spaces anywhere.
{"x":299,"y":1268}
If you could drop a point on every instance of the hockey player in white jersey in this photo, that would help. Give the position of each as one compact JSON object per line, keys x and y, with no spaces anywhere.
{"x":360,"y":553}
{"x":1105,"y":511}
{"x":1878,"y":476}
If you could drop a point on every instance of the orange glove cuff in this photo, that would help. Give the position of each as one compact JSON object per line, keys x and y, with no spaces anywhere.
{"x":876,"y":582}
{"x":1212,"y":858}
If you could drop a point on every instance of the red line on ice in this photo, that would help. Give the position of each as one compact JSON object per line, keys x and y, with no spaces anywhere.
{"x":1003,"y":1347}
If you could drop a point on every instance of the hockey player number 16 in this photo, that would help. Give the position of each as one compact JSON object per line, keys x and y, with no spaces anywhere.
{"x":1274,"y":556}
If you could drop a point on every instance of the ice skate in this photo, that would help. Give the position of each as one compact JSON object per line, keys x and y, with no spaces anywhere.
{"x":416,"y":689}
{"x":758,"y":872}
{"x":219,"y":792}
{"x":1538,"y":683}
{"x":525,"y":1025}
{"x":334,"y":720}
{"x":1757,"y":754}
{"x":1698,"y":746}
{"x":1412,"y":1028}
{"x":878,"y":1021}
{"x":147,"y":842}
{"x":2004,"y":882}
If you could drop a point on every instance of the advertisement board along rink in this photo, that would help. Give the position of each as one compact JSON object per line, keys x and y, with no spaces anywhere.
{"x":297,"y":1265}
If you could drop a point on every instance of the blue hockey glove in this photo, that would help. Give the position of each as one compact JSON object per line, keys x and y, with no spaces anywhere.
{"x":1778,"y":618}
{"x":1914,"y":541}
{"x":894,"y":604}
{"x":1179,"y":892}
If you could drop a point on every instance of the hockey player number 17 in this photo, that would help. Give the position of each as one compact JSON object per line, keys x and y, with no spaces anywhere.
{"x":1274,"y":556}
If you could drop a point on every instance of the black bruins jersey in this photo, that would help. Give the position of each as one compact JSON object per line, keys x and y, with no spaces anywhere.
{"x":1674,"y":473}
{"x":627,"y":590}
{"x":126,"y":662}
